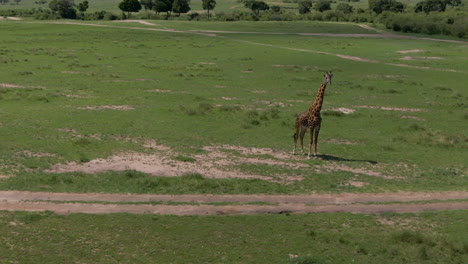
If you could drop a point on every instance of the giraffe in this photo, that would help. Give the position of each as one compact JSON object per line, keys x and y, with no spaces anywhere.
{"x":311,"y":119}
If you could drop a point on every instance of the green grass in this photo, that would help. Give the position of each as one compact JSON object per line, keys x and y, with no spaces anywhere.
{"x":65,"y":68}
{"x":136,"y":182}
{"x":330,"y":238}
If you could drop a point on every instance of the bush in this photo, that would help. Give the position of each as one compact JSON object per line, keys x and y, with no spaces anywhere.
{"x":455,"y":24}
{"x":110,"y":16}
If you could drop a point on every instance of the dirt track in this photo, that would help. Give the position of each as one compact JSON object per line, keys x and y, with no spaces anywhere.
{"x":64,"y":203}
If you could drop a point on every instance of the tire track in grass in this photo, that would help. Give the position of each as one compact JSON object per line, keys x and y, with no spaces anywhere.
{"x":64,"y":203}
{"x":67,"y":208}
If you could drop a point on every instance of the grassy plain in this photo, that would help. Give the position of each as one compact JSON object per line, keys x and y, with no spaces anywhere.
{"x":187,"y":91}
{"x":64,"y":70}
{"x":314,"y":238}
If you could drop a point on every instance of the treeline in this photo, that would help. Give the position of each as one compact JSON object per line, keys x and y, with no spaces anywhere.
{"x":446,"y":17}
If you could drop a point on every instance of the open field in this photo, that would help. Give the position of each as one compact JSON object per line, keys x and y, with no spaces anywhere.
{"x":200,"y":116}
{"x":167,"y":103}
{"x":270,"y":238}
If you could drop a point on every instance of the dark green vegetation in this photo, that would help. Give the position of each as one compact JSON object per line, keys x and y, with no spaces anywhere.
{"x":173,"y":89}
{"x":323,"y":238}
{"x":433,"y":17}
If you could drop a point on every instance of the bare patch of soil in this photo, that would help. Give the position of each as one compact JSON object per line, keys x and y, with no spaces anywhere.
{"x":108,"y":107}
{"x":259,"y":91}
{"x":365,"y":171}
{"x":143,"y":22}
{"x":358,"y":184}
{"x":156,"y":165}
{"x":9,"y":85}
{"x":270,"y":103}
{"x":73,"y":72}
{"x":216,"y":163}
{"x":395,"y":221}
{"x":11,"y":18}
{"x":343,"y":110}
{"x":340,"y":141}
{"x":420,"y":58}
{"x":228,"y":98}
{"x":74,"y":96}
{"x":37,"y":154}
{"x":248,"y":151}
{"x":392,"y":108}
{"x":4,"y":177}
{"x":384,"y":76}
{"x":354,"y":58}
{"x":166,"y":91}
{"x":413,"y":117}
{"x":410,"y":51}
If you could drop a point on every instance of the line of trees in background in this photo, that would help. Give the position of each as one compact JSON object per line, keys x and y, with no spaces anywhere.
{"x":427,"y":16}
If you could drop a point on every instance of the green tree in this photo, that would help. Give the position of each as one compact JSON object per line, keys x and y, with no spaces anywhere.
{"x":378,"y":6}
{"x":453,"y":2}
{"x":256,"y":6}
{"x":435,"y":5}
{"x":304,"y":6}
{"x":181,"y":6}
{"x":17,"y":1}
{"x":147,"y":4}
{"x":345,"y":8}
{"x":322,"y":5}
{"x":83,"y":6}
{"x":163,"y":6}
{"x":65,"y":8}
{"x":4,"y":2}
{"x":130,"y":6}
{"x":208,"y":5}
{"x":276,"y":9}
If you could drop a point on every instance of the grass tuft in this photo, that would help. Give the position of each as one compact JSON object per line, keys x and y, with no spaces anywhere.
{"x":184,"y":159}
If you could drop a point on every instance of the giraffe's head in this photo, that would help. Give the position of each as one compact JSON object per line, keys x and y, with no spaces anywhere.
{"x":327,"y":78}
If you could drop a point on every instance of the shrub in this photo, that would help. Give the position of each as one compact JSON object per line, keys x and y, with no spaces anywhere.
{"x":110,"y":16}
{"x":345,"y":8}
{"x":304,"y":6}
{"x":322,"y":5}
{"x":378,"y":6}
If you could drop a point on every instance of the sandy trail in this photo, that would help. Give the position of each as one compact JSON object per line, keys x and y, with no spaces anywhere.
{"x":64,"y":203}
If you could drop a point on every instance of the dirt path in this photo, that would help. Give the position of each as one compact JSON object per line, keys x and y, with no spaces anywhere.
{"x":64,"y":203}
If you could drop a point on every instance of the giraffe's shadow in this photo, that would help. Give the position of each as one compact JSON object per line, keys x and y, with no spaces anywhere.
{"x":334,"y":158}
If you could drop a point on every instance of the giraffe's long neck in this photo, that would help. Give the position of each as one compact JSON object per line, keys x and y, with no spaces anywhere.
{"x":316,"y":107}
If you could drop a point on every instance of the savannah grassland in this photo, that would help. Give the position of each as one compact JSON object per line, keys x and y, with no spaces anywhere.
{"x":77,"y":93}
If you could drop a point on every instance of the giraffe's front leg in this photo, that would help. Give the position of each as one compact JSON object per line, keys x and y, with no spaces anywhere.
{"x":311,"y":142}
{"x":296,"y":135}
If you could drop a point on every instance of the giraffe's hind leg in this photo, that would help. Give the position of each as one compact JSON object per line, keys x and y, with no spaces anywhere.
{"x":316,"y":133}
{"x":296,"y":135}
{"x":303,"y":131}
